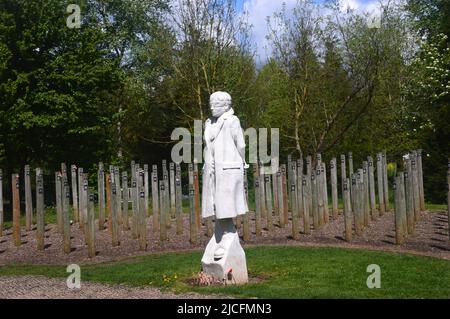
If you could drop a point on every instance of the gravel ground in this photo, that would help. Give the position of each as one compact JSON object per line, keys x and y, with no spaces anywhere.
{"x":39,"y":287}
{"x":430,"y":238}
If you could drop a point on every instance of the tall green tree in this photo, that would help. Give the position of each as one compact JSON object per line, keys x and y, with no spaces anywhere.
{"x":429,"y":92}
{"x":55,"y":87}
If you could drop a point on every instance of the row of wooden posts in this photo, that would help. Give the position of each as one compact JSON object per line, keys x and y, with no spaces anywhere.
{"x":292,"y":188}
{"x":407,"y":197}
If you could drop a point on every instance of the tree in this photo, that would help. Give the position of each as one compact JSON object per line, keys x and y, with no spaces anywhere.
{"x":428,"y":93}
{"x":339,"y":75}
{"x":55,"y":87}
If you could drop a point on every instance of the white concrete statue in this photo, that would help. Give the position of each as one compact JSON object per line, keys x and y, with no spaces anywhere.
{"x":223,"y":194}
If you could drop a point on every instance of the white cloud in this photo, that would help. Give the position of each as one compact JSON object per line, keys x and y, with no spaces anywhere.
{"x":258,"y":11}
{"x":349,"y":4}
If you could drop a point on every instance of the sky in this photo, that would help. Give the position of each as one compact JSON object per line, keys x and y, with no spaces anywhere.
{"x":258,"y":10}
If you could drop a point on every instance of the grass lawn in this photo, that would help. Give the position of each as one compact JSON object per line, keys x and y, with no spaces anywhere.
{"x":289,"y":272}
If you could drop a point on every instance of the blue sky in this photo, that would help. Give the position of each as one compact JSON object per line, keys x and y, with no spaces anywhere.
{"x":258,"y":10}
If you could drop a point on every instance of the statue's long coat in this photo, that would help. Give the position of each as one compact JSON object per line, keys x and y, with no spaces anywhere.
{"x":223,"y":193}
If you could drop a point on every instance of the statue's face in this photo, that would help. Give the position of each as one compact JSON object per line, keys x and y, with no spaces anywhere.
{"x":218,"y":107}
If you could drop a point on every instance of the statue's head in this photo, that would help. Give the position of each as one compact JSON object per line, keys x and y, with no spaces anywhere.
{"x":219,"y":102}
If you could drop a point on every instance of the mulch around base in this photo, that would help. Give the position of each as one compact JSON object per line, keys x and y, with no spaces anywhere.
{"x":430,"y":239}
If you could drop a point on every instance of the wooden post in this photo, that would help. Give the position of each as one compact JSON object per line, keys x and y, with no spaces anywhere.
{"x":343,"y":174}
{"x":142,"y":218}
{"x":80,"y":196}
{"x":28,"y":199}
{"x":293,"y":179}
{"x":146,"y":190}
{"x":262,"y":191}
{"x":409,"y":197}
{"x":305,"y":195}
{"x":323,"y":171}
{"x":350,"y":163}
{"x":114,"y":212}
{"x":280,"y":198}
{"x":360,"y":198}
{"x":403,"y":204}
{"x":295,"y":221}
{"x":193,"y":233}
{"x":420,"y":173}
{"x":191,"y":180}
{"x":84,"y":210}
{"x":416,"y":190}
{"x":257,"y":188}
{"x":133,"y":169}
{"x":268,"y":202}
{"x":319,"y":192}
{"x":2,"y":217}
{"x":198,"y":212}
{"x":397,"y":210}
{"x":275,"y":169}
{"x":288,"y":182}
{"x":356,"y":206}
{"x":366,"y":201}
{"x":139,"y":176}
{"x":179,"y":200}
{"x":308,"y":184}
{"x":65,"y":214}
{"x":162,"y":219}
{"x":172,"y":189}
{"x":385,"y":181}
{"x":373,"y":204}
{"x":134,"y":205}
{"x":58,"y":187}
{"x":315,"y":202}
{"x":126,"y":200}
{"x":284,"y":192}
{"x":155,"y":199}
{"x":90,"y":227}
{"x":40,"y":222}
{"x":108,"y":200}
{"x":16,"y":209}
{"x":380,"y":185}
{"x":166,"y":197}
{"x":73,"y":179}
{"x":101,"y":196}
{"x":334,"y":191}
{"x":119,"y":195}
{"x":246,"y":226}
{"x":299,"y":186}
{"x":347,"y":209}
{"x":363,"y":197}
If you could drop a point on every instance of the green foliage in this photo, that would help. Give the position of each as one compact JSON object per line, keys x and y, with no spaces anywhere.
{"x":428,"y":93}
{"x":115,"y":89}
{"x":55,"y":86}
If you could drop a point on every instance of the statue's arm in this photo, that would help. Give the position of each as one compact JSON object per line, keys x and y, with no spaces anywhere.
{"x":239,"y":139}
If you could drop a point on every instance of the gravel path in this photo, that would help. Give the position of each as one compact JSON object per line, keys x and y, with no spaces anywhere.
{"x":430,"y":238}
{"x":39,"y":287}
